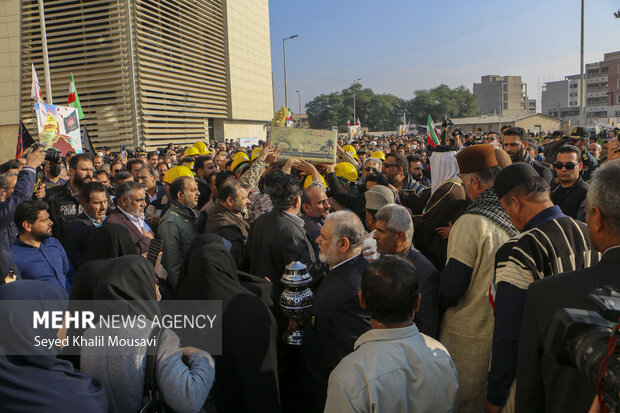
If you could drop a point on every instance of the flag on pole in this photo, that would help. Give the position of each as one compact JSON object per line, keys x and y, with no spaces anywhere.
{"x":87,"y":145}
{"x":358,"y":123}
{"x":35,"y":93}
{"x":74,"y":100}
{"x":24,"y":140}
{"x":35,"y":88}
{"x":431,"y":133}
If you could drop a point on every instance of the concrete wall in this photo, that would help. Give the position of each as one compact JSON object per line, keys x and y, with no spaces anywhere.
{"x":9,"y":77}
{"x":249,"y":60}
{"x":226,"y":129}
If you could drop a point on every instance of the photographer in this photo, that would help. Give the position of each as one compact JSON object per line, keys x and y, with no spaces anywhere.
{"x":14,"y":189}
{"x":542,"y":383}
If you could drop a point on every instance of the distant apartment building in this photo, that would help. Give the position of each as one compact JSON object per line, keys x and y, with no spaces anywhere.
{"x":603,"y":90}
{"x":531,"y":105}
{"x":502,"y":95}
{"x":560,"y":99}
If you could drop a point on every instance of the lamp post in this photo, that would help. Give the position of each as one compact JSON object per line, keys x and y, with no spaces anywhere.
{"x":299,"y":101}
{"x":284,"y":54}
{"x":354,"y":84}
{"x":581,"y":77}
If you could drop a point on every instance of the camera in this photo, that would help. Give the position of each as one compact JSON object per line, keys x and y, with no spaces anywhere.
{"x":446,"y":121}
{"x":456,"y":132}
{"x":587,"y":340}
{"x":52,"y":155}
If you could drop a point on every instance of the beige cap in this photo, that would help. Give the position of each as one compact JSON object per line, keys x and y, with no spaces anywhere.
{"x":379,"y":196}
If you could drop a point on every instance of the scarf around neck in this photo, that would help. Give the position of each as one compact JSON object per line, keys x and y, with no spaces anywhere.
{"x":489,"y":207}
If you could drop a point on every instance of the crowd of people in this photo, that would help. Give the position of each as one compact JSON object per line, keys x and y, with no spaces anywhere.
{"x":436,"y":271}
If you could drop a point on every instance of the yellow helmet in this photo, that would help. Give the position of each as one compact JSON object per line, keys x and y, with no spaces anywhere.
{"x":347,"y":171}
{"x":351,"y":151}
{"x":177,"y":171}
{"x":378,"y":155}
{"x":255,"y":153}
{"x":202,"y":148}
{"x":239,"y":162}
{"x":308,"y":181}
{"x":241,"y":155}
{"x":191,"y":151}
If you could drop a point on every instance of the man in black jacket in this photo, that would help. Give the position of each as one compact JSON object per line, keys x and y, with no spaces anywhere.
{"x":336,"y":320}
{"x":516,"y":145}
{"x":571,"y":191}
{"x":543,"y":385}
{"x":394,"y":235}
{"x":276,"y":239}
{"x":94,"y":202}
{"x":63,"y":201}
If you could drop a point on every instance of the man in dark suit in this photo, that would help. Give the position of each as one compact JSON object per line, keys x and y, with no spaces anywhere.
{"x":276,"y":239}
{"x":394,"y":235}
{"x":516,"y":145}
{"x":543,"y":385}
{"x":129,"y":212}
{"x":94,"y":202}
{"x":336,"y":320}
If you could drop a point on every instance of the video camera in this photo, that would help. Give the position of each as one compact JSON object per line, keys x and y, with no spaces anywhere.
{"x":587,"y":340}
{"x":446,"y":121}
{"x":52,"y":155}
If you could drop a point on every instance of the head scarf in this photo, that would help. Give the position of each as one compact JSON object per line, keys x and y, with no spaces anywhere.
{"x":130,"y":282}
{"x":212,"y":275}
{"x":109,"y":241}
{"x":40,"y":382}
{"x":443,"y":167}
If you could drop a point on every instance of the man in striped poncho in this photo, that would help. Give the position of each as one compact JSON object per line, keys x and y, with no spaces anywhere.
{"x":549,"y":243}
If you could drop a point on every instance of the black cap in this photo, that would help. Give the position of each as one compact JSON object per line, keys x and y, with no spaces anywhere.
{"x":511,"y":176}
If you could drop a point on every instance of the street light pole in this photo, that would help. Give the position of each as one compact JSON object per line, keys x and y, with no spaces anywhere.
{"x":284,"y":55}
{"x":299,"y":98}
{"x":354,"y":84}
{"x":581,"y":81}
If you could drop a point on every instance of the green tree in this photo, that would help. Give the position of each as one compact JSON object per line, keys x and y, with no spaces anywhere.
{"x":442,"y":101}
{"x":377,"y":112}
{"x":325,"y":111}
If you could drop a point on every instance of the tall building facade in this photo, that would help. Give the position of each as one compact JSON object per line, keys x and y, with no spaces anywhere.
{"x":603,"y":90}
{"x":560,"y":99}
{"x":152,"y":72}
{"x":505,"y":95}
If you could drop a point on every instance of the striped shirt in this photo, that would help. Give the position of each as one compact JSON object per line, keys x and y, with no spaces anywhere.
{"x":559,"y":245}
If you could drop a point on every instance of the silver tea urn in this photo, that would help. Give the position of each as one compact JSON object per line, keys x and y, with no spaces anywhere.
{"x":296,"y":299}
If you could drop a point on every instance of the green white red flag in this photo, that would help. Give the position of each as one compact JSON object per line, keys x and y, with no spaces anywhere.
{"x":74,"y":99}
{"x":431,"y":133}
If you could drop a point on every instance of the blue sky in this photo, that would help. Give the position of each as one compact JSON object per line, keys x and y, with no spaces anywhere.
{"x":399,"y":46}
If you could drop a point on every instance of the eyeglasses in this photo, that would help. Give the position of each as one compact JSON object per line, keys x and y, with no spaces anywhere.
{"x":116,"y":170}
{"x":368,"y":169}
{"x":388,"y":165}
{"x":568,"y":165}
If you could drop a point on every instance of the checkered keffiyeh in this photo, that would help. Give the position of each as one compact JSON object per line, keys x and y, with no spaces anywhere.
{"x":488,"y":206}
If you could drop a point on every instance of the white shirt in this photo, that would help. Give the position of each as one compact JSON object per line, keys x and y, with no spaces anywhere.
{"x":296,"y":218}
{"x":342,"y":262}
{"x":394,"y":370}
{"x":138,"y":222}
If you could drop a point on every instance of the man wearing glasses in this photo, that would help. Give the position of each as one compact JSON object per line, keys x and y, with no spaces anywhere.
{"x":571,"y":189}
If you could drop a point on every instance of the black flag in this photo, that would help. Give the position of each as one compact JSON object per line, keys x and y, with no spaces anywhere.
{"x":24,"y":140}
{"x":87,"y":145}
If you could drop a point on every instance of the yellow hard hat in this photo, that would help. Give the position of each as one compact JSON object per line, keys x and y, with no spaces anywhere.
{"x":255,"y":153}
{"x":347,"y":171}
{"x":174,"y":173}
{"x":239,"y":163}
{"x":241,"y":155}
{"x":378,"y":155}
{"x":308,"y":181}
{"x":202,"y":148}
{"x":351,"y":151}
{"x":191,"y":151}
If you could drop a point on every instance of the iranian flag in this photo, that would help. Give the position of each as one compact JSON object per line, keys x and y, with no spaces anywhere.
{"x":431,"y":133}
{"x":74,"y":99}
